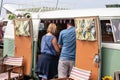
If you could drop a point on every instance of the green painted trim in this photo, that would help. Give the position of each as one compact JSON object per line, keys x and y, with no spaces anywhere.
{"x":34,"y":59}
{"x":110,"y":61}
{"x":9,"y":47}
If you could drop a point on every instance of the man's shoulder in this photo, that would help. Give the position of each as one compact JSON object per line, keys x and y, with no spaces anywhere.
{"x":64,"y":30}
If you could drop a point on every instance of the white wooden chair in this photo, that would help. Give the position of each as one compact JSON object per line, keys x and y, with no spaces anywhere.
{"x":77,"y":74}
{"x":80,"y":74}
{"x":12,"y":68}
{"x":117,"y":75}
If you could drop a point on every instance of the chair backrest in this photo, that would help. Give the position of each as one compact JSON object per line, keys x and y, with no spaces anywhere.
{"x":117,"y":75}
{"x":80,"y":74}
{"x":13,"y":61}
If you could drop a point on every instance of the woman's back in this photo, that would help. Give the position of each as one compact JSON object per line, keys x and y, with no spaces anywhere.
{"x":47,"y":46}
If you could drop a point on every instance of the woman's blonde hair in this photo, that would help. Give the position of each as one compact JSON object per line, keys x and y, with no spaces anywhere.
{"x":52,"y":28}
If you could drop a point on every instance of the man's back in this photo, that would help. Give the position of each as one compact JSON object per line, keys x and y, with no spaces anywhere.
{"x":67,"y":39}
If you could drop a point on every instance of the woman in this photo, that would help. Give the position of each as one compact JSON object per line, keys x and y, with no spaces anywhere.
{"x":47,"y":63}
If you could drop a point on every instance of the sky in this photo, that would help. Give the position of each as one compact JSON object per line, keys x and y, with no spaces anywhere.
{"x":74,"y":4}
{"x":71,"y":4}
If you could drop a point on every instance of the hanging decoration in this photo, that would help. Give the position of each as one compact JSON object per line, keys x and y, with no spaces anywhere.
{"x":85,"y":29}
{"x":45,"y":21}
{"x":60,"y":21}
{"x":70,"y":20}
{"x":49,"y":21}
{"x":11,"y":16}
{"x":64,"y":21}
{"x":27,"y":15}
{"x":22,"y":27}
{"x":52,"y":21}
{"x":56,"y":21}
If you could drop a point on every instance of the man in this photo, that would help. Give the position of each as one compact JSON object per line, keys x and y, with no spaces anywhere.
{"x":67,"y":42}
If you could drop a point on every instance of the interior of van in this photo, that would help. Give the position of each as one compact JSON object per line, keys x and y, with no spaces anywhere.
{"x":60,"y":23}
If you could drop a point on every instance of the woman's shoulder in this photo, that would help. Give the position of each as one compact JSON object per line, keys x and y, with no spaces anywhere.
{"x":50,"y":36}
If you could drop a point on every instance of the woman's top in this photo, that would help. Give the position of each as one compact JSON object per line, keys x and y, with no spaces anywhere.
{"x":47,"y":46}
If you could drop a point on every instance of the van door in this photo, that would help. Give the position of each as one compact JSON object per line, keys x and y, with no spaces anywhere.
{"x":23,"y":41}
{"x":88,"y":45}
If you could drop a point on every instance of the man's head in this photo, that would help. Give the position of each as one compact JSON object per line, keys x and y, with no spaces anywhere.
{"x":69,"y":23}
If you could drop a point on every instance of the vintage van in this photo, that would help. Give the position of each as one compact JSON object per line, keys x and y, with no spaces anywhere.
{"x":97,"y":51}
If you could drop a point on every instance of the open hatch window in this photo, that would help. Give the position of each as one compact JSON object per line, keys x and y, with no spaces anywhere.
{"x":110,"y":30}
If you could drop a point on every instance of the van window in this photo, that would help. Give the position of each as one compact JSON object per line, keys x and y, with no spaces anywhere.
{"x":110,"y":30}
{"x":106,"y":31}
{"x":116,"y":29}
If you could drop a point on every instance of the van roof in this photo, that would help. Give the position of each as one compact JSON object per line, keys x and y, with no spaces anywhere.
{"x":101,"y":12}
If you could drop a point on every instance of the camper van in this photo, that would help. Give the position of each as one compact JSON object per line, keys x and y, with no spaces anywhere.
{"x":97,"y":50}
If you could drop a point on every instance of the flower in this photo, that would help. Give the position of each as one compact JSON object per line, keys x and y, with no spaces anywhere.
{"x":107,"y":78}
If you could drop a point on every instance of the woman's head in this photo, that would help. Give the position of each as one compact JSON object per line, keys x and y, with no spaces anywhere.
{"x":52,"y":28}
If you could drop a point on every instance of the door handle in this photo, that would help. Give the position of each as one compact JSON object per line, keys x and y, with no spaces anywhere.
{"x":96,"y":58}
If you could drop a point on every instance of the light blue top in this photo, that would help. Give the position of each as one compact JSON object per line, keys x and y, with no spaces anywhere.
{"x":47,"y":46}
{"x":67,"y":39}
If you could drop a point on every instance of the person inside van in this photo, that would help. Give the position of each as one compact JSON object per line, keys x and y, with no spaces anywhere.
{"x":47,"y":62}
{"x":67,"y":43}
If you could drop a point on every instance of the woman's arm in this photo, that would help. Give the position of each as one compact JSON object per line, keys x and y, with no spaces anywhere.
{"x":54,"y":42}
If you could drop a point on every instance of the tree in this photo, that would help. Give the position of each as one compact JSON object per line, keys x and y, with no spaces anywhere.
{"x":113,"y":6}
